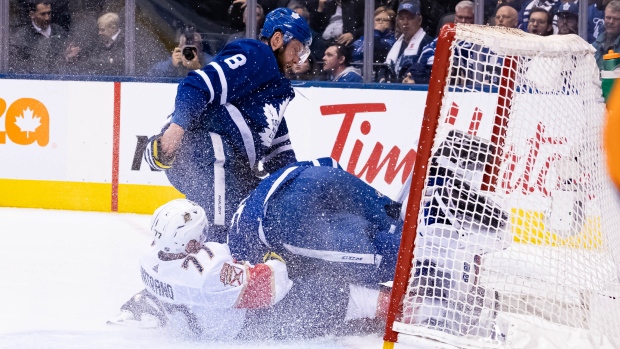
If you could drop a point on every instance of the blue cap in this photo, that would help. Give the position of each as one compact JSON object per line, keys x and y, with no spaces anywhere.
{"x":410,"y":6}
{"x":569,"y":8}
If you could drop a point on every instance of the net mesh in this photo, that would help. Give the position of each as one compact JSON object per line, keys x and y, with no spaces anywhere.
{"x":518,"y":221}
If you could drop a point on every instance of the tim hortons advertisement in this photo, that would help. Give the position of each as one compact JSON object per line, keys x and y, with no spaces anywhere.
{"x":372,"y":134}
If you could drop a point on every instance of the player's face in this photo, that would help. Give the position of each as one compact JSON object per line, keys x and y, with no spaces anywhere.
{"x":291,"y":55}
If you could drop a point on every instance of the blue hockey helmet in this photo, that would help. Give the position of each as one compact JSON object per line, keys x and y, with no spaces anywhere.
{"x":292,"y":26}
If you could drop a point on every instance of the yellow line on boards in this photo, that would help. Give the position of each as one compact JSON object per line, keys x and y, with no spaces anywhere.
{"x":84,"y":196}
{"x":59,"y":195}
{"x":136,"y":198}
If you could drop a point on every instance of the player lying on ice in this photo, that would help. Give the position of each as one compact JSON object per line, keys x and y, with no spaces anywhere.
{"x":305,"y":255}
{"x":228,"y":129}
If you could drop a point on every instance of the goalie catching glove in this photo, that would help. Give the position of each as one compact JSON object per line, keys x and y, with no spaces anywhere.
{"x":155,"y":157}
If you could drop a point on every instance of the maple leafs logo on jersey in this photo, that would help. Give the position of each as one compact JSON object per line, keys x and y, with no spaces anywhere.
{"x":295,"y":15}
{"x":273,"y":117}
{"x":28,"y":122}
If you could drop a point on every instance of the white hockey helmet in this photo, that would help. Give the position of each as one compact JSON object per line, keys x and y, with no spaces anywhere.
{"x":176,"y":223}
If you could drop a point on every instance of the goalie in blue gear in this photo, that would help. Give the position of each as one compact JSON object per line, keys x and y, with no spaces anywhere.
{"x":227,"y":130}
{"x":339,"y":238}
{"x":459,"y":225}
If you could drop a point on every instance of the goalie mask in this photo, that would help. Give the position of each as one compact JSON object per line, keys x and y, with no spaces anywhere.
{"x":176,"y":223}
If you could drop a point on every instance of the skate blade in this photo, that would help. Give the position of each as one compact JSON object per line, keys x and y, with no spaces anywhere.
{"x":147,"y":322}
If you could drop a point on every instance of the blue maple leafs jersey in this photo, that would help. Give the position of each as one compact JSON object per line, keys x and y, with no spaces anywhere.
{"x":241,"y":96}
{"x":315,"y":212}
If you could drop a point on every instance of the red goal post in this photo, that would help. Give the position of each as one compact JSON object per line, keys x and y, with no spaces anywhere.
{"x":510,"y":213}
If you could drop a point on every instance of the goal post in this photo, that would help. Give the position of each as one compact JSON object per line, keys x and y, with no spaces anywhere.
{"x":512,"y":228}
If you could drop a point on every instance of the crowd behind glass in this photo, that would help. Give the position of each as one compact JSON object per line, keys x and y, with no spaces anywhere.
{"x":87,"y":37}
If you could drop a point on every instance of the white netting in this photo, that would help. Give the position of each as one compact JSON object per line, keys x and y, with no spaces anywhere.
{"x":521,"y":236}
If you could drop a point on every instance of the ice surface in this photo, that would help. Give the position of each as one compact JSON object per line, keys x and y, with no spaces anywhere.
{"x":64,"y":273}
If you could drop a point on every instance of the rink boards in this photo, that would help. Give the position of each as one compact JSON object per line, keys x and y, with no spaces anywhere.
{"x":78,"y":145}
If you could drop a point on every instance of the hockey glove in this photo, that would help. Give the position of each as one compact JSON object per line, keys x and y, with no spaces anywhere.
{"x":154,"y":156}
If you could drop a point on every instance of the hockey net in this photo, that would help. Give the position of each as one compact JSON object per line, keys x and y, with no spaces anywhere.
{"x":515,"y":223}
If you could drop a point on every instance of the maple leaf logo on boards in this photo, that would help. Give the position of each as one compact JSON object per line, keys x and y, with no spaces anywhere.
{"x":28,"y":122}
{"x":273,"y":117}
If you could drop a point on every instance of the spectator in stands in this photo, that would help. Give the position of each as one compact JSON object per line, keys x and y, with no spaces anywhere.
{"x":338,"y":64}
{"x":528,"y":6}
{"x":568,"y":15}
{"x":109,"y":59}
{"x":610,"y":39}
{"x":464,"y":12}
{"x":539,"y":22}
{"x":596,"y":12}
{"x":260,"y":19}
{"x":384,"y":37}
{"x":420,"y":72}
{"x":506,"y":16}
{"x":339,"y":21}
{"x":406,"y":51}
{"x":178,"y":65}
{"x":596,"y":19}
{"x":37,"y":47}
{"x":109,"y":55}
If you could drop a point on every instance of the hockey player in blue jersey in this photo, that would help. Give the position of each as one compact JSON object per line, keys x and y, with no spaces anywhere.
{"x":227,"y":129}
